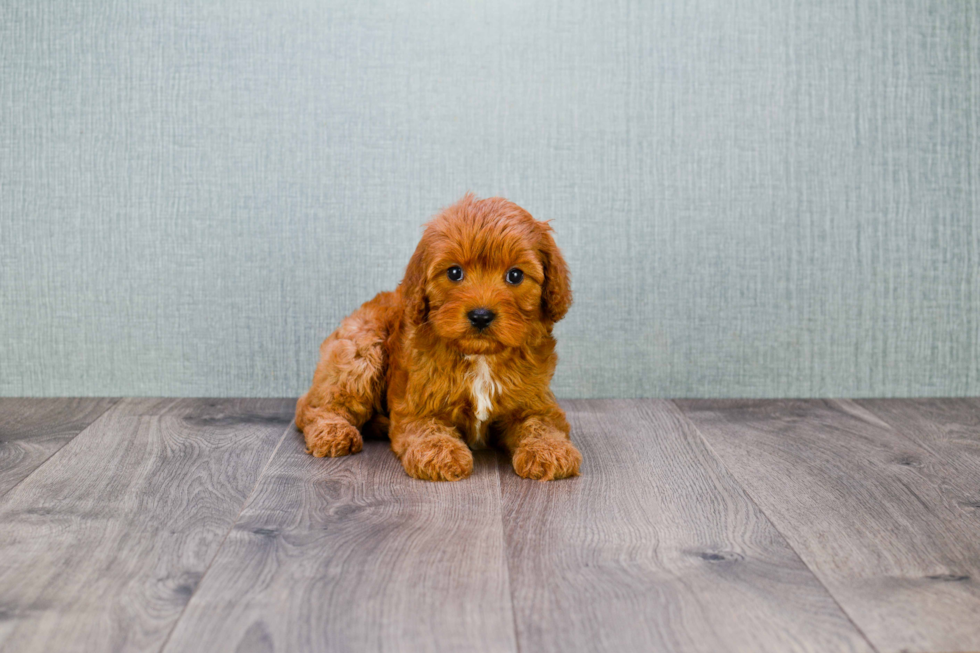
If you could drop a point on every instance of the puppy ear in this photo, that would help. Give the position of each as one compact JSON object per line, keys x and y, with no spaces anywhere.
{"x":413,"y":285}
{"x":556,"y":294}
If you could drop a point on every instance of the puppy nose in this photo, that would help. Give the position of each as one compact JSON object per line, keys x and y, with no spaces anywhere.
{"x":481,"y":317}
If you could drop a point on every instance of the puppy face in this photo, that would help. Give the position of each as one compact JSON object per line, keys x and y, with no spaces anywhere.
{"x":486,"y":275}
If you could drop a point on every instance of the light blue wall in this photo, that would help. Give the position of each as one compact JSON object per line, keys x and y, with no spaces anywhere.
{"x":757,"y":198}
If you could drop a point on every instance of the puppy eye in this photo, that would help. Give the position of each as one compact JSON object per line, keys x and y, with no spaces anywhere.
{"x":455,"y":273}
{"x":514,"y":276}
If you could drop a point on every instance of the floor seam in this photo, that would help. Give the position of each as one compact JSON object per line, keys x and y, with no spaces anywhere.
{"x":217,"y":552}
{"x":894,"y":427}
{"x":118,"y":400}
{"x":785,"y":539}
{"x":503,"y":537}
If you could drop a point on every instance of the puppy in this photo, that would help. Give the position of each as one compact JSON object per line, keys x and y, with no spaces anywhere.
{"x":460,"y":355}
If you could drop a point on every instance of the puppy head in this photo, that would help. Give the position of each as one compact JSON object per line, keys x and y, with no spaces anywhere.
{"x":486,"y":275}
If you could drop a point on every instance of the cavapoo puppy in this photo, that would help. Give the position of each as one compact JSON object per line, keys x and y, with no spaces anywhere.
{"x":460,"y":355}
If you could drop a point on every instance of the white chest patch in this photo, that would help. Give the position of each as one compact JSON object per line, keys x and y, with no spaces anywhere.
{"x":483,"y":388}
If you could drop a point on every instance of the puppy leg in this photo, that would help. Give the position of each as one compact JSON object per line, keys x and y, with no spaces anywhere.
{"x":330,"y":433}
{"x":540,"y":447}
{"x":347,"y":387}
{"x":431,"y":450}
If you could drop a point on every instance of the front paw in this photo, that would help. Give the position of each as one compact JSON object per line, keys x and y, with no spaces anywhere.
{"x":438,"y":459}
{"x":331,"y":437}
{"x":547,"y":459}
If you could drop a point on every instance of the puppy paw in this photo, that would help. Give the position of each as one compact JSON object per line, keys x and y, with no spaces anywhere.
{"x":331,"y":437}
{"x":438,"y":459}
{"x":547,"y":459}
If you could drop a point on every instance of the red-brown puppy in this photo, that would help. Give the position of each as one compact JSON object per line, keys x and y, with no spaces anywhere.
{"x":461,"y":353}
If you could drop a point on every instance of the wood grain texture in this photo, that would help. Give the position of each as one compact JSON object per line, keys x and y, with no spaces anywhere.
{"x":32,"y":430}
{"x":102,"y":547}
{"x":656,"y":548}
{"x":350,"y":554}
{"x":872,"y":512}
{"x":949,"y":429}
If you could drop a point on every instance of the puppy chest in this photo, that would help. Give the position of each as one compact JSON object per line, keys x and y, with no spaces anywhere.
{"x":484,"y":391}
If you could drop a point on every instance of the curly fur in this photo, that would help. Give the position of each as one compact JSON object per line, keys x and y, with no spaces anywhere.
{"x":409,"y":363}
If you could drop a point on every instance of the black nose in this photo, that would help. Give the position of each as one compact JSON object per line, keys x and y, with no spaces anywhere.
{"x":481,"y":317}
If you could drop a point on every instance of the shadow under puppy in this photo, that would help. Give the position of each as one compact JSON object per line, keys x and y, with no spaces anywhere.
{"x":460,"y":355}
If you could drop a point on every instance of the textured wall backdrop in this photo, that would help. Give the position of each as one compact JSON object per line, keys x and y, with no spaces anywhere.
{"x":757,"y":197}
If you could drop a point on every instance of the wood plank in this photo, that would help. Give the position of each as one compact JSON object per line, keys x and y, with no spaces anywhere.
{"x":947,"y":428}
{"x":32,"y":430}
{"x":350,"y":554}
{"x":656,"y":548}
{"x":873,"y":513}
{"x":102,"y":547}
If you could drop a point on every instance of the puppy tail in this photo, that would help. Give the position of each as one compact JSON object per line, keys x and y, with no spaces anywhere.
{"x":376,"y":427}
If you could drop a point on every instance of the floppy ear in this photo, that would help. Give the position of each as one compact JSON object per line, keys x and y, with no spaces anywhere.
{"x":556,"y":294}
{"x":413,"y":285}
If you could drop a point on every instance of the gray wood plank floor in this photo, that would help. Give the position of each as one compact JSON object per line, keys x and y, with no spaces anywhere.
{"x":32,"y":430}
{"x":201,"y":525}
{"x":876,"y":515}
{"x":949,"y":429}
{"x":350,"y":554}
{"x":103,"y":545}
{"x":656,"y":547}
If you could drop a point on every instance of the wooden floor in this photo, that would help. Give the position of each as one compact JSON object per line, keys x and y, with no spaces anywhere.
{"x":201,"y":525}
